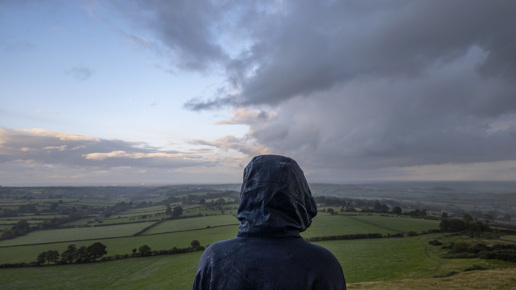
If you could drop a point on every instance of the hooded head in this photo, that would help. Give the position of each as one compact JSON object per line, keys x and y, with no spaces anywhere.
{"x":275,"y":198}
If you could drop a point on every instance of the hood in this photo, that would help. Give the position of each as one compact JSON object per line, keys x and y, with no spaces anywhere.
{"x":275,"y":198}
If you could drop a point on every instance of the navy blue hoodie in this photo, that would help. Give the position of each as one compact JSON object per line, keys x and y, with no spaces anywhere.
{"x":268,"y":252}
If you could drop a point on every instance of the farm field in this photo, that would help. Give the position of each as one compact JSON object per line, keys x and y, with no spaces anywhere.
{"x":174,"y":217}
{"x":179,"y":233}
{"x":380,"y":260}
{"x":76,"y":234}
{"x":325,"y":225}
{"x":193,"y":224}
{"x":122,"y":246}
{"x":485,"y":279}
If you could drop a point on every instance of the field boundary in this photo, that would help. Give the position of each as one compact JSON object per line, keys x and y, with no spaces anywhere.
{"x":111,"y":238}
{"x":148,"y":228}
{"x":376,"y":225}
{"x":197,"y":229}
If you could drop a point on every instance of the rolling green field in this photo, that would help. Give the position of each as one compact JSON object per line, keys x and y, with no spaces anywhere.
{"x":158,"y":272}
{"x":367,"y":263}
{"x":362,"y":260}
{"x":122,"y":246}
{"x":76,"y":234}
{"x":179,"y":233}
{"x":193,"y":223}
{"x":326,"y":225}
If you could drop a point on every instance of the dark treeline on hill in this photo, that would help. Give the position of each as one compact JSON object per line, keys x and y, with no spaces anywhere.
{"x":133,"y":193}
{"x":464,"y":250}
{"x":131,"y":198}
{"x":73,"y":254}
{"x":64,"y":204}
{"x":406,"y":208}
{"x":22,"y":227}
{"x":193,"y":197}
{"x":464,"y":225}
{"x":368,"y":206}
{"x":461,"y":249}
{"x":96,"y":252}
{"x":97,"y":192}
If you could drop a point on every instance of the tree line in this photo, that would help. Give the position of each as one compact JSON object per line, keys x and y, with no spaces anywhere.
{"x":22,"y":227}
{"x":73,"y":254}
{"x":96,"y":251}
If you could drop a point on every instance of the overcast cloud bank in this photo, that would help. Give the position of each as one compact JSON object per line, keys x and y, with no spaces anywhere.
{"x":358,"y":85}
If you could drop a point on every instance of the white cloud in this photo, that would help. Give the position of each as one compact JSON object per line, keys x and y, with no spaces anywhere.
{"x":53,"y":134}
{"x":60,"y":148}
{"x":134,"y":155}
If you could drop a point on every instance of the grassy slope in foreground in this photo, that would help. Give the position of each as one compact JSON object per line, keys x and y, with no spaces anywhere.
{"x":361,"y":260}
{"x":158,"y":272}
{"x":487,"y":279}
{"x":178,"y":271}
{"x":123,"y":246}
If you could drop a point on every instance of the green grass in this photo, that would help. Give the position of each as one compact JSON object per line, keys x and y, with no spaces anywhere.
{"x":29,"y":217}
{"x":193,"y":210}
{"x":95,"y":202}
{"x":327,"y":225}
{"x":146,"y":210}
{"x":509,"y":238}
{"x":390,"y":259}
{"x":399,"y":224}
{"x":387,"y":259}
{"x":122,"y":246}
{"x":323,"y":225}
{"x":379,"y":259}
{"x":159,"y":272}
{"x":192,"y":223}
{"x":73,"y":234}
{"x":484,"y":279}
{"x":4,"y":227}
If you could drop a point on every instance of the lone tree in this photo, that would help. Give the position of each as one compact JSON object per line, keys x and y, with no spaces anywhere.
{"x":96,"y":250}
{"x":178,"y":211}
{"x":195,"y":244}
{"x":145,"y":250}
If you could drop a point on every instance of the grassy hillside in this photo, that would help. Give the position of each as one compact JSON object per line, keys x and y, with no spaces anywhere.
{"x":487,"y":279}
{"x":411,"y":262}
{"x":179,"y":233}
{"x":159,"y":272}
{"x":133,"y":220}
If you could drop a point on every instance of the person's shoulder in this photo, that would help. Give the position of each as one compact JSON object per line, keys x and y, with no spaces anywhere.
{"x":221,"y":249}
{"x":223,"y":245}
{"x":316,"y":248}
{"x":318,"y":253}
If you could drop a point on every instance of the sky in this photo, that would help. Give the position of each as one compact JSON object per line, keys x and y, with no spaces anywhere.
{"x":173,"y":92}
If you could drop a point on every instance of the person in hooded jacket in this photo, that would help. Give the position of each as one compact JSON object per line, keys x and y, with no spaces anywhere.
{"x":268,"y":252}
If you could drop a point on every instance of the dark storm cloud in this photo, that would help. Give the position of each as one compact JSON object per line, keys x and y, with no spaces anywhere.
{"x":186,"y":28}
{"x":384,"y":125}
{"x":360,"y":84}
{"x":309,"y":47}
